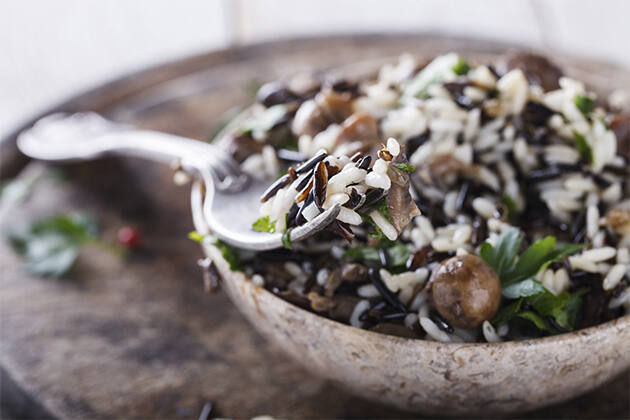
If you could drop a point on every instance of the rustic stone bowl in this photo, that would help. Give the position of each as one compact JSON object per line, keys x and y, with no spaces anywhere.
{"x":429,"y":376}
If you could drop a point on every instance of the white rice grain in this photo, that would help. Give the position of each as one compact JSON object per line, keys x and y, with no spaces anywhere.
{"x":433,"y":331}
{"x":383,"y":224}
{"x":258,"y":280}
{"x":380,"y":166}
{"x":361,"y":306}
{"x":393,"y":146}
{"x":367,"y":291}
{"x":614,"y":276}
{"x":322,"y":276}
{"x":599,"y":254}
{"x":411,"y":320}
{"x":349,"y":216}
{"x":484,"y":207}
{"x":489,"y":333}
{"x":592,"y":221}
{"x":376,"y":180}
{"x":622,"y":299}
{"x":623,"y":256}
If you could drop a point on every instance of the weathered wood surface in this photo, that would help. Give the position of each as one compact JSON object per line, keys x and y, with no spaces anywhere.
{"x":138,"y":337}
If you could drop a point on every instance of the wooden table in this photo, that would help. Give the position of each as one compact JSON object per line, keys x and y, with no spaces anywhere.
{"x":138,"y":337}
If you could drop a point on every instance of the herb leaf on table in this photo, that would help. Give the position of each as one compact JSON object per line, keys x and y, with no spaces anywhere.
{"x":51,"y":246}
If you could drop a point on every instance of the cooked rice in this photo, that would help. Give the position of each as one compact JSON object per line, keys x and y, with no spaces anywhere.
{"x":491,"y":151}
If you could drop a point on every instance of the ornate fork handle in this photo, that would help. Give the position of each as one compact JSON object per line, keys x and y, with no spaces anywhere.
{"x":86,"y":136}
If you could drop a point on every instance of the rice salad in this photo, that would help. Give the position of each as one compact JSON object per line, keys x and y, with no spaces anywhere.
{"x":479,"y":202}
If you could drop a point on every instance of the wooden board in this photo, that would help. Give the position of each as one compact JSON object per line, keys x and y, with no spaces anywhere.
{"x":138,"y":337}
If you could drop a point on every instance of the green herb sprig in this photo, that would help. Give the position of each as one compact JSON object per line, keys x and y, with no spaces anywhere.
{"x":397,"y":254}
{"x":461,"y":68}
{"x":404,"y":166}
{"x":228,"y":253}
{"x":585,"y":104}
{"x":517,"y":273}
{"x":584,"y":149}
{"x":264,"y":224}
{"x":51,"y":246}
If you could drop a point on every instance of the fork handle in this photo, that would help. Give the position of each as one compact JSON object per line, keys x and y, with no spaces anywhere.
{"x":87,"y":136}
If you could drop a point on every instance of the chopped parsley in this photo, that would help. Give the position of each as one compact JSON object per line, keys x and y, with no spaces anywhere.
{"x":510,"y":206}
{"x":263,"y":224}
{"x":584,"y":149}
{"x":228,"y":253}
{"x":461,"y":68}
{"x":196,"y":236}
{"x":585,"y":104}
{"x":381,"y":207}
{"x":397,"y":253}
{"x":403,"y":166}
{"x":286,"y":238}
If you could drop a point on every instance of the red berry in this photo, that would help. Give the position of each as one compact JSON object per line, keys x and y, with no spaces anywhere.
{"x":128,"y":237}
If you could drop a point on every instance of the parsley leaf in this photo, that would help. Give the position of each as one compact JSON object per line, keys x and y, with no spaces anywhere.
{"x":501,"y":256}
{"x":196,"y":236}
{"x":583,"y":147}
{"x":51,"y":246}
{"x":397,"y":253}
{"x":507,"y":312}
{"x":403,"y":166}
{"x":540,"y":322}
{"x":361,"y":253}
{"x":461,"y":68}
{"x":263,"y":224}
{"x":286,"y":238}
{"x":523,"y":288}
{"x":517,"y":279}
{"x":585,"y":104}
{"x":228,"y":253}
{"x":510,"y":205}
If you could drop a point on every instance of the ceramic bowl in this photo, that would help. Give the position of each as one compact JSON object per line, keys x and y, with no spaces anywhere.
{"x":428,"y":376}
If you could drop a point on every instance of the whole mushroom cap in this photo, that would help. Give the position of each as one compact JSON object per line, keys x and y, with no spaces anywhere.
{"x":465,"y":291}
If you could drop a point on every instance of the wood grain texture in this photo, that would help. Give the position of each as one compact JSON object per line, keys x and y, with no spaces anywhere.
{"x":138,"y":337}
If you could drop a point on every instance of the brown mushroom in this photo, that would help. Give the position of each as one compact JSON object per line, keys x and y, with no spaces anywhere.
{"x":620,"y":125}
{"x":243,"y":146}
{"x":336,"y":106}
{"x":465,"y":291}
{"x":309,"y":119}
{"x":400,"y":205}
{"x":275,"y":93}
{"x":537,"y":68}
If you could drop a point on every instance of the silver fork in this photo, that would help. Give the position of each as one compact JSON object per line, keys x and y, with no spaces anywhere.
{"x":231,"y":200}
